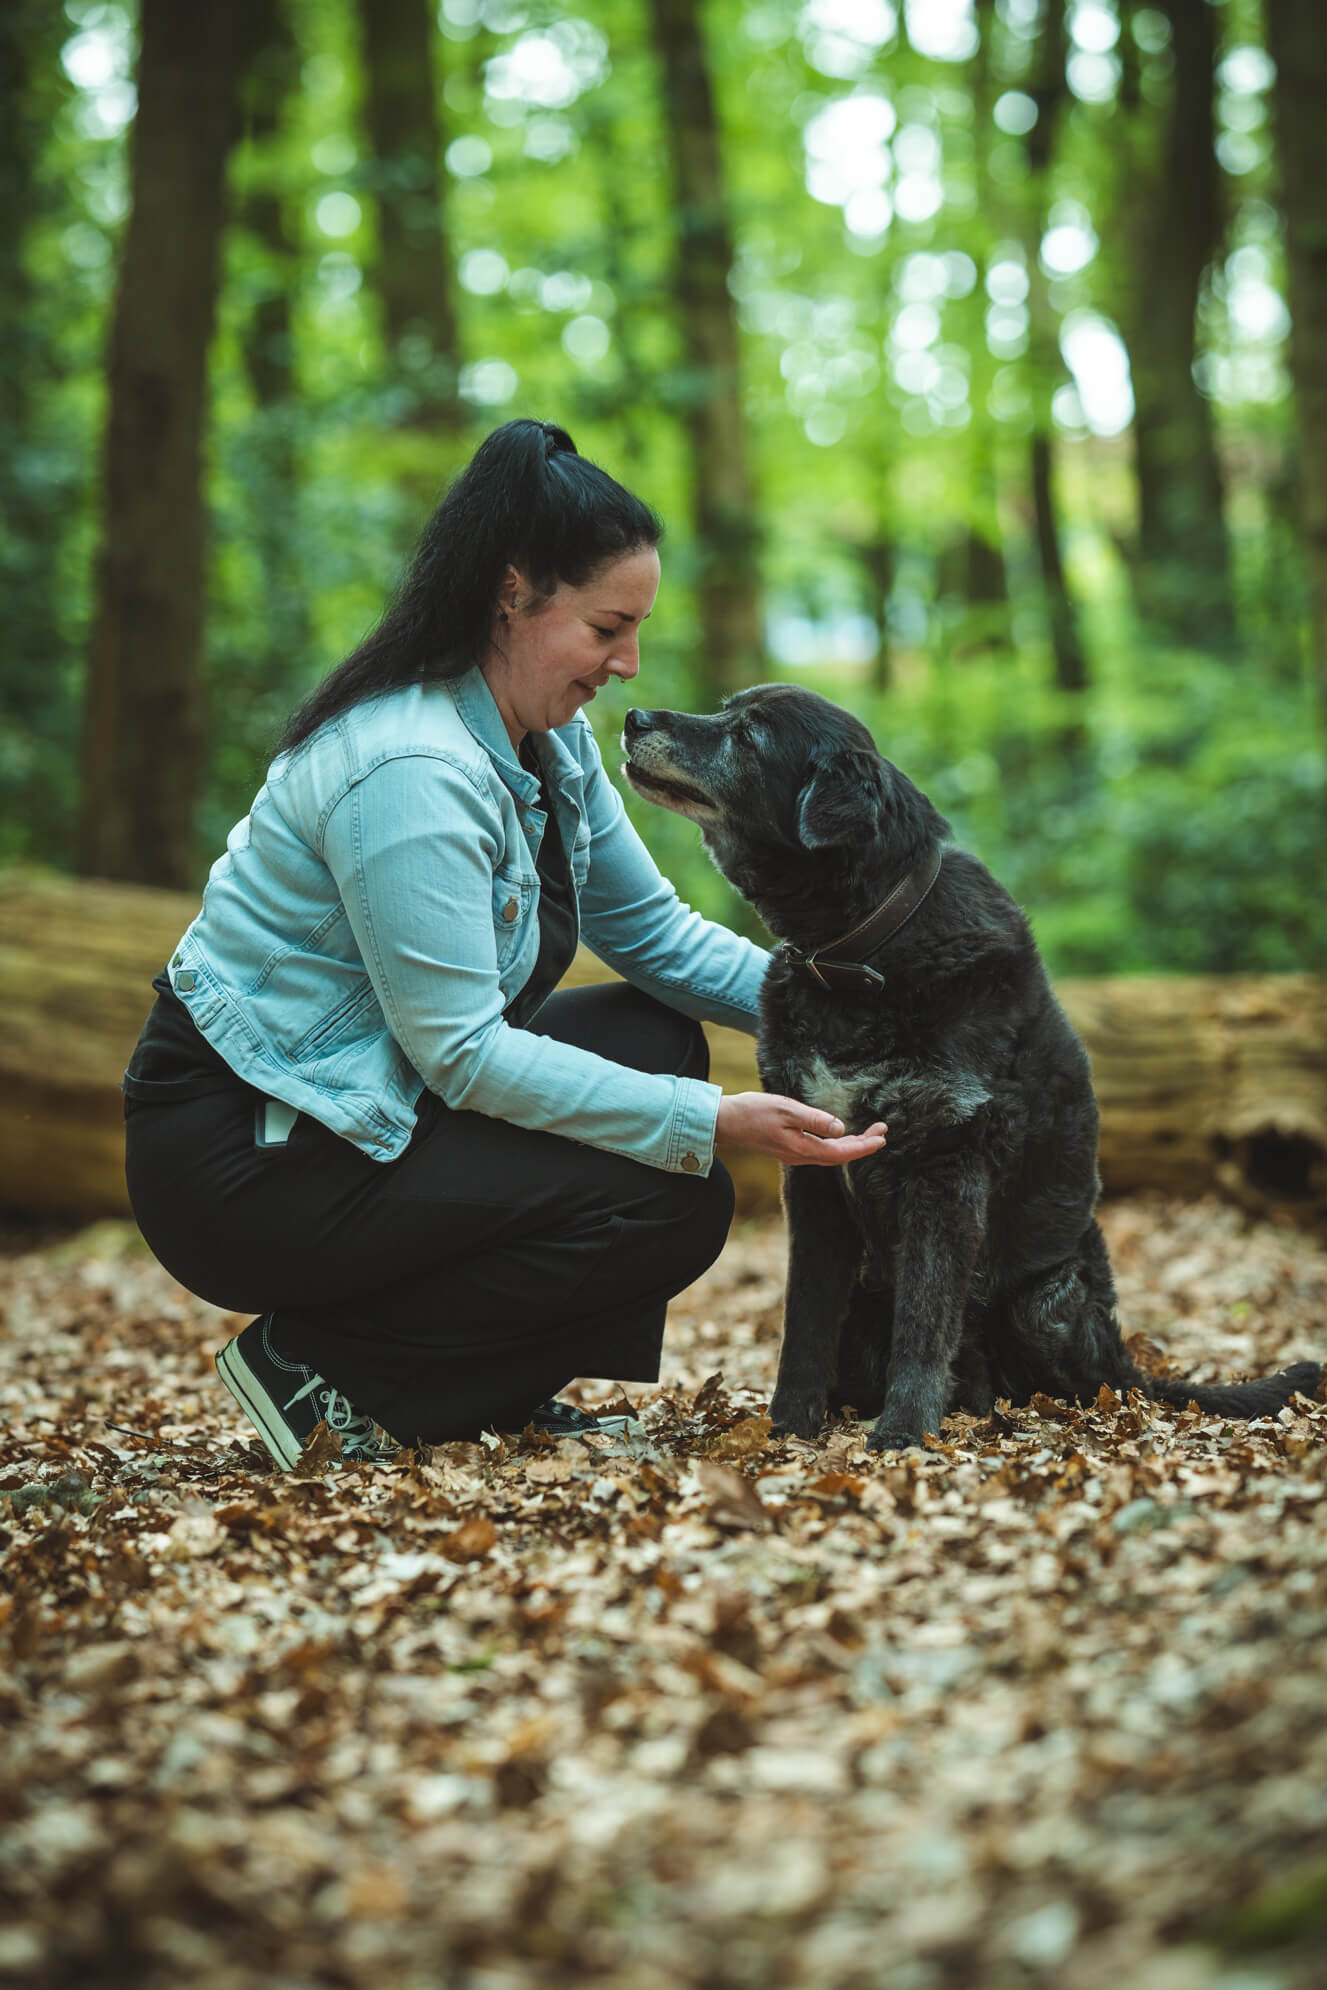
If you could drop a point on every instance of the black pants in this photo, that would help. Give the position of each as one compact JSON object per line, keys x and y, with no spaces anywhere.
{"x":458,"y":1286}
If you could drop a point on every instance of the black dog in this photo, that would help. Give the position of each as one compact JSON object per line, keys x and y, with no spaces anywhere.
{"x":962,"y":1262}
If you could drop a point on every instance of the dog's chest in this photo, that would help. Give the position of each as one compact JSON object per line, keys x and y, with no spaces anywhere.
{"x":816,"y":1082}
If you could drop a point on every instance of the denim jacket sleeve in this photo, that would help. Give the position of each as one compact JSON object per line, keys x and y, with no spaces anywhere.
{"x":413,"y":846}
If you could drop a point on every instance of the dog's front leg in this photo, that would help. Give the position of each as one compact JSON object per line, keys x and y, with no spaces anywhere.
{"x":823,"y":1254}
{"x":942,"y":1227}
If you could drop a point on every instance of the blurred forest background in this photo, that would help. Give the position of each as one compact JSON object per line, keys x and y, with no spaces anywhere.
{"x":975,"y":352}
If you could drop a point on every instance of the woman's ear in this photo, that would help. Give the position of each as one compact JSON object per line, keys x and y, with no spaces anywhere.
{"x":515,"y":594}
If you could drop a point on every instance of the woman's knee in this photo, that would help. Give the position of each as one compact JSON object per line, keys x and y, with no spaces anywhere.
{"x":703,"y":1215}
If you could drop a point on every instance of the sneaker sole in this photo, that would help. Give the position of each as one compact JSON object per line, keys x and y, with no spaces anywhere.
{"x":603,"y":1426}
{"x":614,"y":1424}
{"x":257,"y":1405}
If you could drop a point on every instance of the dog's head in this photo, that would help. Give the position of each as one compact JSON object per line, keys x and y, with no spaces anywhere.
{"x":789,"y":793}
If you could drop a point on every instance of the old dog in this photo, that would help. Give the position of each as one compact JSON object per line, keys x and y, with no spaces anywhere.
{"x":962,"y":1263}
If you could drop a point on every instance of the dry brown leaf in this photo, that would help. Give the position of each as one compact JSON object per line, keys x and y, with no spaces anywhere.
{"x":837,"y":1485}
{"x":322,"y":1448}
{"x":471,"y":1541}
{"x":731,"y":1500}
{"x":746,"y":1439}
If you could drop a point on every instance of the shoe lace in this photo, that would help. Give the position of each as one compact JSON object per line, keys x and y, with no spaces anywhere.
{"x":360,"y":1435}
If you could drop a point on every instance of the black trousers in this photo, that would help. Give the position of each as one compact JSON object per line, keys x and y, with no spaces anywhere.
{"x":456,"y":1287}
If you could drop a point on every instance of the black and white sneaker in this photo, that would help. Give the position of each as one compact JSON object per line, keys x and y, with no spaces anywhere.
{"x":558,"y":1419}
{"x":286,"y":1401}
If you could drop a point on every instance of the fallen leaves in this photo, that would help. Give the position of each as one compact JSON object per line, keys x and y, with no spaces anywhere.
{"x":469,"y":1542}
{"x":730,"y":1499}
{"x":1038,"y":1704}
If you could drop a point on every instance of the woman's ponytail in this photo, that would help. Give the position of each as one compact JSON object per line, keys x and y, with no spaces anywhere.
{"x":528,"y":499}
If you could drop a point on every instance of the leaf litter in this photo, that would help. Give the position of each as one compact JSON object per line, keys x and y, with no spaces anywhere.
{"x":1042,"y":1704}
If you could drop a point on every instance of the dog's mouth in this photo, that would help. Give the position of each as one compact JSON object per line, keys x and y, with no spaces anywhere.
{"x":666,"y":789}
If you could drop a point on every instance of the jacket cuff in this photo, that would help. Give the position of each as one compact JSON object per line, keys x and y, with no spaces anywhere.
{"x":691,"y":1136}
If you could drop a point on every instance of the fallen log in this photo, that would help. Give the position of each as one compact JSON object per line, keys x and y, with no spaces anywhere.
{"x":1205,"y":1082}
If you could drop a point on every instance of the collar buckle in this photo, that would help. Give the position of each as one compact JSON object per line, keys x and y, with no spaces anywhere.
{"x":893,"y":912}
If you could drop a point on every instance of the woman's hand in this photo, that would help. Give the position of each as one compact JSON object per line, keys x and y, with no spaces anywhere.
{"x":795,"y":1134}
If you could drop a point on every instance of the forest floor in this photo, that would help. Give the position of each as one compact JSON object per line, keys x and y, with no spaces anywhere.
{"x":1043,"y":1705}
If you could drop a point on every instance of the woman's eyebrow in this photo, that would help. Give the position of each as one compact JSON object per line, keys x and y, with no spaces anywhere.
{"x":624,"y":614}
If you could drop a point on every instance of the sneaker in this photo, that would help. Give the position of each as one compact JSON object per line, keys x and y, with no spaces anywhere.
{"x":286,"y":1401}
{"x":558,"y":1419}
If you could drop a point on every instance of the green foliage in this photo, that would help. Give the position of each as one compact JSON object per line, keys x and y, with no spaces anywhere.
{"x":1171,"y":818}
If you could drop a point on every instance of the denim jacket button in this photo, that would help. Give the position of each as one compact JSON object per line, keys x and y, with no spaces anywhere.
{"x":510,"y":910}
{"x":690,"y":1164}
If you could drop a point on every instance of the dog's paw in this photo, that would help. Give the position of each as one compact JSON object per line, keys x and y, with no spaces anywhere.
{"x":796,"y":1415}
{"x":882,"y":1438}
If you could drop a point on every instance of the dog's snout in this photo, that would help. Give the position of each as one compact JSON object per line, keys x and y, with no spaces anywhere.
{"x":637,"y":722}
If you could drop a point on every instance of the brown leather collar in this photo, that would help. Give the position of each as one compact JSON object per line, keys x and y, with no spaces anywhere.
{"x":825,"y":964}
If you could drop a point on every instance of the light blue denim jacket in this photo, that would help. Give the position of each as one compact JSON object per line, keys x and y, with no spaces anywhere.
{"x":378,"y":908}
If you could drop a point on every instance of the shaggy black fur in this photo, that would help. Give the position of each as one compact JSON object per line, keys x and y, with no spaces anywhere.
{"x":961,"y":1263}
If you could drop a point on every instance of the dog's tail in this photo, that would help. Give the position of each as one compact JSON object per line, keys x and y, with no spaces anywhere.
{"x":1241,"y":1399}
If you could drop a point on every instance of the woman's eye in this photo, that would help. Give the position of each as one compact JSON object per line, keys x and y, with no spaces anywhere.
{"x":607,"y":634}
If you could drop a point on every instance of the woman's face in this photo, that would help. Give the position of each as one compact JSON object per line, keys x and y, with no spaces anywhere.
{"x":548,"y":656}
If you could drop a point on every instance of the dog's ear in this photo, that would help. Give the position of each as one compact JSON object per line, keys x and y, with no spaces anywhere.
{"x":840,"y":799}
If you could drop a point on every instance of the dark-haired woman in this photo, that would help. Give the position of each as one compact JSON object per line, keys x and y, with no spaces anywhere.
{"x":357,"y":1108}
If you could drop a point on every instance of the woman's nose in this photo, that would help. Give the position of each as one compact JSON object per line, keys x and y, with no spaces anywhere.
{"x":625,"y":661}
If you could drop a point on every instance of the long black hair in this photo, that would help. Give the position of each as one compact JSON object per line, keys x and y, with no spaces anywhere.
{"x":526,"y":499}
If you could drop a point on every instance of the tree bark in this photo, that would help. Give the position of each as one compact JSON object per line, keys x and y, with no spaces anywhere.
{"x":268,"y":351}
{"x":1047,"y":89}
{"x":143,"y":741}
{"x":985,"y":578}
{"x":1070,"y":662}
{"x":878,"y":559}
{"x":1205,"y":1083}
{"x":413,"y":274}
{"x":1297,"y":39}
{"x":1183,"y":571}
{"x":35,"y":506}
{"x":723,"y":509}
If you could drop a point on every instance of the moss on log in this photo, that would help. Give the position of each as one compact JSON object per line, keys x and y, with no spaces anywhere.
{"x":1205,"y":1083}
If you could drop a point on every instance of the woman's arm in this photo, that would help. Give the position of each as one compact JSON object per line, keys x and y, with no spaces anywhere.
{"x":412,"y":848}
{"x":634,"y":921}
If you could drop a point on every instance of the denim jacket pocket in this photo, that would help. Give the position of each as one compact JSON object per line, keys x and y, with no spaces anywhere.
{"x":338,"y":1025}
{"x":513,"y":897}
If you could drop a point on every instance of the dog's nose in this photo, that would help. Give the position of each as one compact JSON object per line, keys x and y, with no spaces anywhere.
{"x":637,"y":721}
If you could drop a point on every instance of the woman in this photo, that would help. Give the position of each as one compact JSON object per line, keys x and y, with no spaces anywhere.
{"x":357,"y":1109}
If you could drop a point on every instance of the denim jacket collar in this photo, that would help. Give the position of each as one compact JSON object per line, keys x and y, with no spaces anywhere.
{"x":563,"y":772}
{"x":479,"y":709}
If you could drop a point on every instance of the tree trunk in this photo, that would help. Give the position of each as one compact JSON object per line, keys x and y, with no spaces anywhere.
{"x":268,"y":352}
{"x":1183,"y":572}
{"x":1297,"y":38}
{"x":143,"y":743}
{"x":878,"y":559}
{"x":1212,"y":1083}
{"x":1047,"y":89}
{"x":628,"y":397}
{"x":985,"y":580}
{"x":1070,"y":663}
{"x":414,"y":276}
{"x":34,"y":505}
{"x":723,"y":511}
